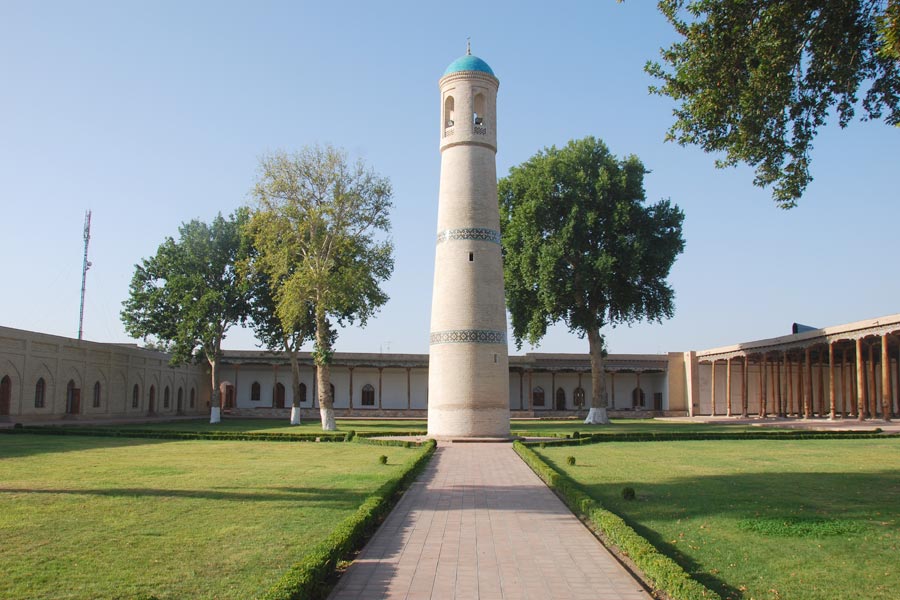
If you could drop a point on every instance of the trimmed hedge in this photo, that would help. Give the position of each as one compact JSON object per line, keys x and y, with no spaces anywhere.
{"x":596,"y":438}
{"x":397,"y":443}
{"x":310,"y":578}
{"x":663,"y":573}
{"x":371,"y":434}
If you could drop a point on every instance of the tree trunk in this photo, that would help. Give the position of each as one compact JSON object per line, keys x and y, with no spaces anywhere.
{"x":323,"y":372}
{"x":215,"y":401}
{"x":599,"y":398}
{"x":295,"y":386}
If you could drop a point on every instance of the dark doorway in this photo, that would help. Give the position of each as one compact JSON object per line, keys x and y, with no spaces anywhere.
{"x":560,"y":399}
{"x":279,"y":395}
{"x":73,"y":399}
{"x":151,"y":407}
{"x":229,"y":396}
{"x":180,"y":405}
{"x":5,"y":394}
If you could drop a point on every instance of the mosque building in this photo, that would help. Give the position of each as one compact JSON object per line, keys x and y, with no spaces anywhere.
{"x":467,"y":386}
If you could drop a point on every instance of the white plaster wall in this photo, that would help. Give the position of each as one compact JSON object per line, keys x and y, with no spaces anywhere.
{"x":393,"y":382}
{"x":419,"y":380}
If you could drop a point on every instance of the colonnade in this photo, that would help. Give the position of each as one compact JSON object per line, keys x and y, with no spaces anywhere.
{"x":856,"y":378}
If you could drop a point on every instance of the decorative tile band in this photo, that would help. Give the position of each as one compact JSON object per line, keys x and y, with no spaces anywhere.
{"x":468,"y":336}
{"x":470,"y":233}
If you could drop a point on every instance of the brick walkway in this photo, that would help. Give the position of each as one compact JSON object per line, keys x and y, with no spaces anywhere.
{"x":479,"y":524}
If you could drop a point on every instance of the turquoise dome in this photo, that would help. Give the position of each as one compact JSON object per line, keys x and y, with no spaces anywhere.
{"x":468,"y":63}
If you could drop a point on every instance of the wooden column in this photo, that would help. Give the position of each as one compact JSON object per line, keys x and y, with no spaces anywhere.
{"x":408,"y":388}
{"x":530,"y":390}
{"x":380,"y":369}
{"x":820,"y":393}
{"x":351,"y":388}
{"x":728,"y":387}
{"x":712,"y":389}
{"x":832,"y":400}
{"x":807,"y":385}
{"x":886,"y":397}
{"x":846,"y":386}
{"x":553,"y":391}
{"x":790,"y":384}
{"x":579,"y":385}
{"x":637,"y":379}
{"x":521,"y":390}
{"x":860,"y":383}
{"x":762,"y":386}
{"x":612,"y":389}
{"x":779,"y":398}
{"x":870,"y":380}
{"x":745,"y":386}
{"x":895,"y":406}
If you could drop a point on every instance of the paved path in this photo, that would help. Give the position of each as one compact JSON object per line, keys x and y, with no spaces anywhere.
{"x":479,"y":524}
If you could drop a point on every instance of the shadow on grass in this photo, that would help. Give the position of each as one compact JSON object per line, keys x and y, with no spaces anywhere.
{"x":24,"y":444}
{"x":868,"y":501}
{"x":334,"y":497}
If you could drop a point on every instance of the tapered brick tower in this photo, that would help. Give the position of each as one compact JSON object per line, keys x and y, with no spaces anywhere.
{"x":468,"y":371}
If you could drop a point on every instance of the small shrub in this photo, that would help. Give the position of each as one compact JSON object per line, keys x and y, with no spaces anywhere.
{"x":17,"y":426}
{"x":628,"y":493}
{"x":543,"y":444}
{"x":382,"y":459}
{"x":576,"y":435}
{"x":570,"y":460}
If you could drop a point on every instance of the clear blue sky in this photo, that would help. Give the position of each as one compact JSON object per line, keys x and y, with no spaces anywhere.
{"x":154,"y":113}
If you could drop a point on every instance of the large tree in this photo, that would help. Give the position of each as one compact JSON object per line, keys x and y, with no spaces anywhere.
{"x":755,"y":80}
{"x":189,"y":294}
{"x":580,"y":246}
{"x":281,"y":325}
{"x":319,"y":228}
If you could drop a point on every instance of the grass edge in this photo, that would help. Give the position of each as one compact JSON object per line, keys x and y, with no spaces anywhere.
{"x":660,"y":571}
{"x":311,"y":576}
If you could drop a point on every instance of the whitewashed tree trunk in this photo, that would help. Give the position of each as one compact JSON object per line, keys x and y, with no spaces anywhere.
{"x":597,"y":416}
{"x":326,"y":402}
{"x":215,"y":402}
{"x":295,"y":385}
{"x":323,"y":371}
{"x":599,"y":397}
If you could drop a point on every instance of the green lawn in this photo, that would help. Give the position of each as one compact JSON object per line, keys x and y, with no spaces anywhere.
{"x":810,"y":519}
{"x":85,"y":517}
{"x":622,"y":426}
{"x":280,"y":425}
{"x":529,"y":426}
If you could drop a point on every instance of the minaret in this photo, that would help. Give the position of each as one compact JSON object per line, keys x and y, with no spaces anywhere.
{"x":468,"y":370}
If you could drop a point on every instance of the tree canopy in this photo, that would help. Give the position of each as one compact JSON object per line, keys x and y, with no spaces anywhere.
{"x":318,"y":228}
{"x":189,"y":294}
{"x":281,"y":326}
{"x":581,"y":247}
{"x":755,"y":80}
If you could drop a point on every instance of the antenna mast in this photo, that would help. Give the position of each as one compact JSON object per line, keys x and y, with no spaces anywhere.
{"x":84,"y":269}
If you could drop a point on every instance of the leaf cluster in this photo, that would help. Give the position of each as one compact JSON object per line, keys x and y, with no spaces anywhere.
{"x":580,"y":245}
{"x":317,"y":231}
{"x":756,"y":79}
{"x":189,"y":293}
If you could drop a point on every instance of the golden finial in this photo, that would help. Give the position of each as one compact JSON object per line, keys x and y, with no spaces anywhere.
{"x":469,"y":46}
